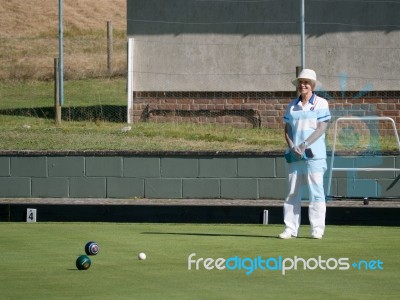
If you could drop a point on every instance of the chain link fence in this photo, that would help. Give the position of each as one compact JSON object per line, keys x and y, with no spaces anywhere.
{"x":95,"y":90}
{"x":94,"y":44}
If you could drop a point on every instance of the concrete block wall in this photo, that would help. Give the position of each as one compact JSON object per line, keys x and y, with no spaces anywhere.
{"x":178,"y":176}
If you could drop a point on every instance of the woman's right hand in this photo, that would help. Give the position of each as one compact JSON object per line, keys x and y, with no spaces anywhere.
{"x":297,"y":152}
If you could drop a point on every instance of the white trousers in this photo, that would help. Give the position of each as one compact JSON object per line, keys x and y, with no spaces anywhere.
{"x":307,"y":174}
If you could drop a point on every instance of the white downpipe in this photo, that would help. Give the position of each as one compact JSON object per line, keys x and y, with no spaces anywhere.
{"x":131,"y":43}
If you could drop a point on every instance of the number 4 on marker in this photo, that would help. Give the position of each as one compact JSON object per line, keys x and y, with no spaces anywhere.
{"x":31,"y":215}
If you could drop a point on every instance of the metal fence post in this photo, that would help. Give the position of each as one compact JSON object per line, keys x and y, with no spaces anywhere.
{"x":57,"y":106}
{"x":109,"y":47}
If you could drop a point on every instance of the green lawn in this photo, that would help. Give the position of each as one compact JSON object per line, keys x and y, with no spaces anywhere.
{"x":38,"y":262}
{"x":85,"y":92}
{"x":27,"y":122}
{"x":96,"y":113}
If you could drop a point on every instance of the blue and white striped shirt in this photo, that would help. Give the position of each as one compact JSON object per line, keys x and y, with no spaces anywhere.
{"x":304,"y":120}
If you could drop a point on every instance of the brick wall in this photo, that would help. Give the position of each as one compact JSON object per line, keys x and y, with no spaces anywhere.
{"x":253,"y":109}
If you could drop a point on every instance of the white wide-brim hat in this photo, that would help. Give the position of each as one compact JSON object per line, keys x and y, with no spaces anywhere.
{"x":307,"y":74}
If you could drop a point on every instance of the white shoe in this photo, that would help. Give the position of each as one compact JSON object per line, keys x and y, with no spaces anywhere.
{"x":316,"y":235}
{"x":285,"y":235}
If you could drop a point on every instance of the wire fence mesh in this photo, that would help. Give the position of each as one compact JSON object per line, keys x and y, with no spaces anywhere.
{"x":95,"y":92}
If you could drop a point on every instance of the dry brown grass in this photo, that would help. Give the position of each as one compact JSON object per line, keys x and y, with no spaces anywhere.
{"x":29,"y":38}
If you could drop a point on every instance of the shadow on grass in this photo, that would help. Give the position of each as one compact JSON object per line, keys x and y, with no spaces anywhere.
{"x":213,"y":234}
{"x":224,"y":234}
{"x":109,"y":113}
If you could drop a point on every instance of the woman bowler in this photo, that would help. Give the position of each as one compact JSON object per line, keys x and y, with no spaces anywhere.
{"x":306,"y":119}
